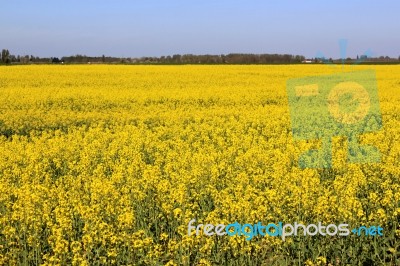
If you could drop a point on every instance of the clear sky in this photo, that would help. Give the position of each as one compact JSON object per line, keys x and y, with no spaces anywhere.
{"x":159,"y":27}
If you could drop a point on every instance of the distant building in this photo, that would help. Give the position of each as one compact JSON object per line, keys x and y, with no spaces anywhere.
{"x":307,"y":61}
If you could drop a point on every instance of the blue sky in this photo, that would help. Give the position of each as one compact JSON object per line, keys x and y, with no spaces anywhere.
{"x":160,"y":27}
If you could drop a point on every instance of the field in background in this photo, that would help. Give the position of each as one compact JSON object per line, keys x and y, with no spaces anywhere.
{"x":108,"y":164}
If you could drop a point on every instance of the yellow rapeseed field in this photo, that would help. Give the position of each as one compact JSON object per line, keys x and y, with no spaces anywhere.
{"x":106,"y":165}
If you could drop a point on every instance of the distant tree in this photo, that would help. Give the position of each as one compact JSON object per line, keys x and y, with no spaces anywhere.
{"x":24,"y":59}
{"x":55,"y":60}
{"x":298,"y":59}
{"x":5,"y":56}
{"x":223,"y":58}
{"x":176,"y":58}
{"x":12,"y":58}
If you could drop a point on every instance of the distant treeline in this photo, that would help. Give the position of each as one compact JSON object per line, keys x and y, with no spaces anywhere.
{"x":233,"y":58}
{"x":190,"y":59}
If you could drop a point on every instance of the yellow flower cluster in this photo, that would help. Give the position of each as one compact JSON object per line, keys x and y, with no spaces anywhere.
{"x":105,"y":165}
